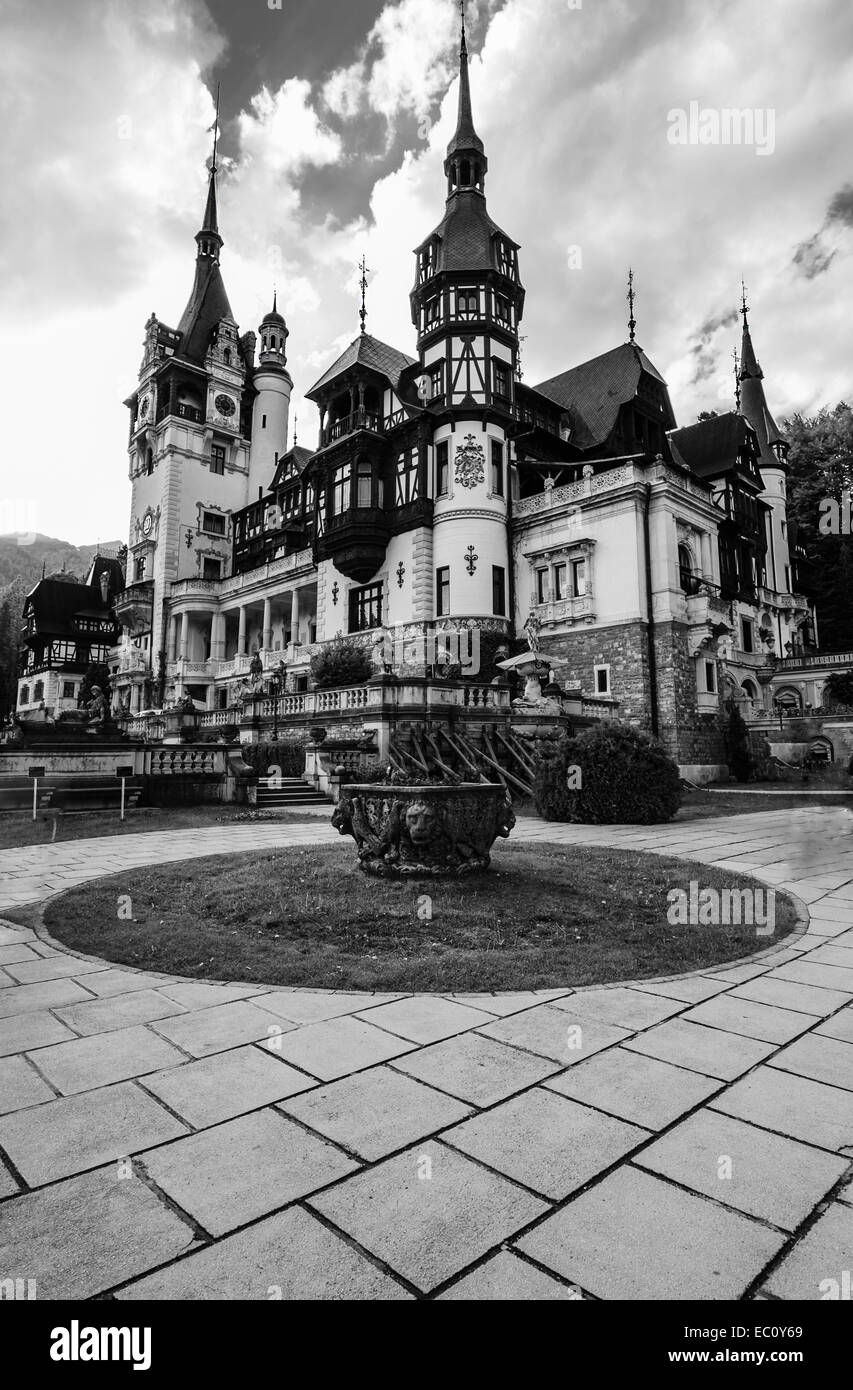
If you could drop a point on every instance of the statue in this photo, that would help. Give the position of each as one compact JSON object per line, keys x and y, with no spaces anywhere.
{"x":532,"y":628}
{"x":96,"y":708}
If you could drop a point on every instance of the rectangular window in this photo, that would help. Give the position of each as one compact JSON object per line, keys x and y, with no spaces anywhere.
{"x":497,"y":468}
{"x":213,"y":524}
{"x":501,"y":309}
{"x":710,"y":677}
{"x":467,"y":304}
{"x":559,"y":582}
{"x":364,"y":489}
{"x":500,"y":375}
{"x":602,"y":680}
{"x":442,"y":591}
{"x":341,"y":489}
{"x":139,"y":570}
{"x":365,"y":607}
{"x":542,"y":587}
{"x":436,"y":379}
{"x":499,"y":590}
{"x":68,"y":689}
{"x":746,"y":628}
{"x":217,"y":458}
{"x":211,"y":569}
{"x":263,"y":422}
{"x":433,"y":310}
{"x":788,"y":579}
{"x":442,"y":469}
{"x":407,"y":478}
{"x":578,"y":578}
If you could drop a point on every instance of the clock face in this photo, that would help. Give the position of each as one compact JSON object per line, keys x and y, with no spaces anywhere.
{"x":144,"y":406}
{"x":147,"y":523}
{"x":224,"y":405}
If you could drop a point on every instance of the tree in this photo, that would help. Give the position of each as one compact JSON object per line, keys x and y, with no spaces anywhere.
{"x":8,"y":662}
{"x":738,"y":750}
{"x":95,"y":675}
{"x":838,"y":690}
{"x":341,"y":662}
{"x":821,"y":466}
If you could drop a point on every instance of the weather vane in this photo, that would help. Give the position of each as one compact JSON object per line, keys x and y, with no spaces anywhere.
{"x":632,"y":322}
{"x":295,"y":423}
{"x":737,"y":378}
{"x":744,"y":307}
{"x":362,"y":265}
{"x":462,"y":12}
{"x":215,"y":129}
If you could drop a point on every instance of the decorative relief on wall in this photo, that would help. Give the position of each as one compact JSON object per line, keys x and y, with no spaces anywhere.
{"x":471,"y":558}
{"x":401,"y":574}
{"x":470,"y":463}
{"x":335,"y":592}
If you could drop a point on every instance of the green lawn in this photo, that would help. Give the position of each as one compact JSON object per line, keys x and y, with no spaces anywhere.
{"x":18,"y":829}
{"x":538,"y":918}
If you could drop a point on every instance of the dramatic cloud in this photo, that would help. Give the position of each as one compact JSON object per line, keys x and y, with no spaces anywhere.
{"x":106,"y":110}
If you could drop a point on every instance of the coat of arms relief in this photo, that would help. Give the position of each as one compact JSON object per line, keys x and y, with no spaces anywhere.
{"x":470,"y":463}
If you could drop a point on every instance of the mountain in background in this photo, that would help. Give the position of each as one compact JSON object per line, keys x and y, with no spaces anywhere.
{"x":21,"y":564}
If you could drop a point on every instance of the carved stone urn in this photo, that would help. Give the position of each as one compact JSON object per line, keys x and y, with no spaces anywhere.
{"x":429,"y":831}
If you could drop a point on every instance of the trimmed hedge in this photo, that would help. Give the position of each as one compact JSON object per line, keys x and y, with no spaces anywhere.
{"x":611,"y":774}
{"x":288,"y":755}
{"x":341,"y":662}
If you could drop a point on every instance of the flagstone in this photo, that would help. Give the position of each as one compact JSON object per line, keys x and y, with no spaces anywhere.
{"x":805,"y":999}
{"x":554,"y":1032}
{"x":117,"y":1011}
{"x":793,"y":1105}
{"x":711,"y":1051}
{"x":86,"y":1063}
{"x":49,"y":995}
{"x":21,"y":1032}
{"x":225,"y":1085}
{"x":839,"y":1026}
{"x":425,"y":1018}
{"x":476,"y":1069}
{"x":429,"y":1212}
{"x":815,"y":1268}
{"x":627,"y":1008}
{"x":507,"y":1278}
{"x":204,"y":1031}
{"x":823,"y":1059}
{"x":337,"y":1047}
{"x":766,"y":1022}
{"x":634,"y":1087}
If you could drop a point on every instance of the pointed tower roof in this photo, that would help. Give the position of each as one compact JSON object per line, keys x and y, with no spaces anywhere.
{"x":753,"y":401}
{"x":465,"y":137}
{"x":208,"y":302}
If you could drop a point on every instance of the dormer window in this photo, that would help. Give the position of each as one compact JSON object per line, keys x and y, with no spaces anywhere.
{"x":427,"y":267}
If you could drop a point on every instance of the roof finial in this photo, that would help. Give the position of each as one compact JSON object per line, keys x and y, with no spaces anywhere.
{"x":295,"y":423}
{"x":462,"y":10}
{"x":632,"y":322}
{"x":737,"y":378}
{"x":744,"y":307}
{"x":362,"y":265}
{"x":274,"y":300}
{"x":215,"y":129}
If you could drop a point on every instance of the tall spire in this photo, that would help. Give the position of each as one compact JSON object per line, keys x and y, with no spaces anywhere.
{"x":737,"y":379}
{"x":632,"y":322}
{"x":208,"y":240}
{"x":748,"y":362}
{"x":466,"y":161}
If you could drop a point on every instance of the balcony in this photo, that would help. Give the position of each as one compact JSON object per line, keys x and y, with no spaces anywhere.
{"x":566,"y":610}
{"x":132,"y":661}
{"x":134,"y":606}
{"x":813,"y":659}
{"x":705,"y":603}
{"x":356,"y":540}
{"x":361,"y":419}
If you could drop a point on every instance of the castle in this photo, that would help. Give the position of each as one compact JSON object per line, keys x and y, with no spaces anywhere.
{"x":657,"y":565}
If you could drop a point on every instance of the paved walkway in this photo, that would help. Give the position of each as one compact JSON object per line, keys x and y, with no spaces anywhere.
{"x":689,"y":1137}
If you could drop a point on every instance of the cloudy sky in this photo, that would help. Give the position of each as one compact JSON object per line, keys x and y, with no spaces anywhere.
{"x":335,"y":115}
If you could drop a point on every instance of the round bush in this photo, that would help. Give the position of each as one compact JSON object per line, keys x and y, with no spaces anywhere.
{"x":611,"y":774}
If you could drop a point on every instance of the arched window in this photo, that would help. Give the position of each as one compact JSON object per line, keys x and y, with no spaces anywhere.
{"x":226,"y":357}
{"x":749,"y":689}
{"x":686,"y":576}
{"x":465,"y":172}
{"x":789,"y":700}
{"x":822,"y":750}
{"x":149,"y":462}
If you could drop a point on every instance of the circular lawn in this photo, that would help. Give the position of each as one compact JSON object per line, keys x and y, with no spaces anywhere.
{"x":541,"y":917}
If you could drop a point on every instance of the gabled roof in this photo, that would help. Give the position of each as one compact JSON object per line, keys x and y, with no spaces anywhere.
{"x":366,"y":351}
{"x":298,"y":457}
{"x":594,"y":392}
{"x":56,"y":602}
{"x":712,"y":447}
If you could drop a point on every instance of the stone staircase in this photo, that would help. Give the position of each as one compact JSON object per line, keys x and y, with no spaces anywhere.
{"x":284,"y":793}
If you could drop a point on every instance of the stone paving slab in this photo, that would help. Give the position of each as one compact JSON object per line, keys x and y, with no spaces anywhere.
{"x":196,"y":994}
{"x":87,"y":1063}
{"x":338,"y":1047}
{"x":815,"y":1268}
{"x":546,"y":1142}
{"x":766,"y":1022}
{"x":216,"y":1029}
{"x":793,"y":1105}
{"x":626,"y":1008}
{"x":117,"y":1011}
{"x":289,"y":1256}
{"x":77,"y":1132}
{"x":225,"y":1085}
{"x":425,"y":1018}
{"x":429,"y":1212}
{"x":839,"y":1026}
{"x":806,"y":999}
{"x":21,"y":1085}
{"x":555,"y":1033}
{"x":762,"y":1174}
{"x":476,"y":1069}
{"x":634,"y":1236}
{"x":641,"y":1089}
{"x":79,"y":1237}
{"x":112,"y":981}
{"x":21,"y":1032}
{"x":821,"y":1058}
{"x":711,"y":1051}
{"x":299,"y":1006}
{"x":26,"y":999}
{"x":375,"y":1112}
{"x":509,"y":1279}
{"x":243,"y":1169}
